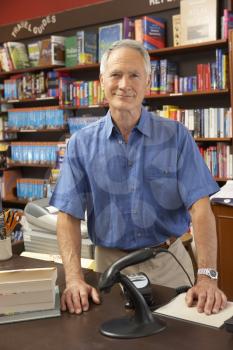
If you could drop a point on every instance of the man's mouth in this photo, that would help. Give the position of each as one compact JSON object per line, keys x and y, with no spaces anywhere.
{"x":123,"y":96}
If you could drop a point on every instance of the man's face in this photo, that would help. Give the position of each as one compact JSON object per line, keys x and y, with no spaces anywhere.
{"x":125,"y":80}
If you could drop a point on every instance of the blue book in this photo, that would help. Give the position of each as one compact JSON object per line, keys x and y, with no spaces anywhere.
{"x":107,"y":36}
{"x":155,"y":76}
{"x":153,"y":32}
{"x":87,"y":46}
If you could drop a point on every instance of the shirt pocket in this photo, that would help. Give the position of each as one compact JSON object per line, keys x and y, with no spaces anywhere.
{"x":153,"y":173}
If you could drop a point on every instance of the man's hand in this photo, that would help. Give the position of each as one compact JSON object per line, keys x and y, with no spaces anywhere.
{"x":75,"y":297}
{"x":210,"y":299}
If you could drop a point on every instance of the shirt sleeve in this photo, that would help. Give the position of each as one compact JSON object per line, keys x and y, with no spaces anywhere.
{"x":69,"y":195}
{"x":194,"y":178}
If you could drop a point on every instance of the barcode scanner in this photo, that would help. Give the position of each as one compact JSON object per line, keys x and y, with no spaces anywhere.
{"x":143,"y":285}
{"x":143,"y":322}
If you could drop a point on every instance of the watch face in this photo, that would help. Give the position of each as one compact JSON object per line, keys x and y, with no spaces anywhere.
{"x":213,"y":273}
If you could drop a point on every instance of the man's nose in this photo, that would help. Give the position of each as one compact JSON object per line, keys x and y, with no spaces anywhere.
{"x":124,"y":82}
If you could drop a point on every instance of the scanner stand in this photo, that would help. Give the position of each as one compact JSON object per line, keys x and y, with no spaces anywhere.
{"x":141,"y":324}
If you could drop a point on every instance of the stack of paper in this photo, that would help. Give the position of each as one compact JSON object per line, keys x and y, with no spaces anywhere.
{"x":178,"y":308}
{"x":85,"y":263}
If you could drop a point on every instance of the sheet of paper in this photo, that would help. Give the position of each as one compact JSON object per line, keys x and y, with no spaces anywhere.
{"x":85,"y":263}
{"x":52,"y":210}
{"x":177,"y":308}
{"x":226,"y":191}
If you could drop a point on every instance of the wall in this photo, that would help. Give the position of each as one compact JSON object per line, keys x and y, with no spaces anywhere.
{"x":16,"y":10}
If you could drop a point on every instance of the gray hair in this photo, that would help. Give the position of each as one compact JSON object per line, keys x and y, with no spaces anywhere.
{"x":127,"y":43}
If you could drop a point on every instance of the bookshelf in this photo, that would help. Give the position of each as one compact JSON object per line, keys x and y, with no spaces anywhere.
{"x":30,"y":136}
{"x":187,"y":57}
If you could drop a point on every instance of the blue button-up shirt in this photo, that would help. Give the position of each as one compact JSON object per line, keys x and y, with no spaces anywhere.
{"x":138,"y":193}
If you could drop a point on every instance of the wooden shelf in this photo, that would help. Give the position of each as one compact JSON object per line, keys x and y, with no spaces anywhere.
{"x":220,"y":43}
{"x":34,"y":165}
{"x":15,"y":200}
{"x":188,"y":94}
{"x":213,"y":139}
{"x":64,"y":107}
{"x":28,"y":70}
{"x":222,"y":179}
{"x":33,"y":99}
{"x":35,"y":130}
{"x":79,"y":67}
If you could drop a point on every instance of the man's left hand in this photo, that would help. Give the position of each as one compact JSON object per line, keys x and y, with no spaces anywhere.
{"x":210,"y":299}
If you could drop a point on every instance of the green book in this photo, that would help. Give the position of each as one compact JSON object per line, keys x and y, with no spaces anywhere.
{"x":18,"y":54}
{"x":71,"y":51}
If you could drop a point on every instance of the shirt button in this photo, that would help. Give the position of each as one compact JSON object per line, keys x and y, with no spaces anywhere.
{"x":130,"y":163}
{"x":139,"y":234}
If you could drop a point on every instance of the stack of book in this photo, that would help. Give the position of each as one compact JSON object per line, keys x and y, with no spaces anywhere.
{"x":28,"y":294}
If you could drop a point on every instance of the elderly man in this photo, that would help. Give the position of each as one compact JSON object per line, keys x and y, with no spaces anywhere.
{"x":141,"y":180}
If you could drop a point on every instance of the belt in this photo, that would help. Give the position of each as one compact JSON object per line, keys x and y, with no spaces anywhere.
{"x":164,"y":245}
{"x":167,"y":243}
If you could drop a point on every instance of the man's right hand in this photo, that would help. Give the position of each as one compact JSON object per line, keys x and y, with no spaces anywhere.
{"x":76,"y":296}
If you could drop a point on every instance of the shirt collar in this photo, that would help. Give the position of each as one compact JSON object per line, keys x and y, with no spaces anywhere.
{"x":143,"y":125}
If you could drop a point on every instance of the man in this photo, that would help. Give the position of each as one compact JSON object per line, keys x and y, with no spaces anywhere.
{"x":140,"y":178}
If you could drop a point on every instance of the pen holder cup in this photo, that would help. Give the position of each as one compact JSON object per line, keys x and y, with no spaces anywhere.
{"x":5,"y":249}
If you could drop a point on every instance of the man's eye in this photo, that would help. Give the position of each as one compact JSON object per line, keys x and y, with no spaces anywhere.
{"x":115,"y":75}
{"x":135,"y":75}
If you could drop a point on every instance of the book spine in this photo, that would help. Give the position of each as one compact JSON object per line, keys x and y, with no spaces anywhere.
{"x":138,"y":30}
{"x":153,"y":32}
{"x":128,"y":28}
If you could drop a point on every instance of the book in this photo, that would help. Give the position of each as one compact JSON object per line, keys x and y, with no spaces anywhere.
{"x":71,"y":51}
{"x":198,"y":21}
{"x":52,"y":51}
{"x":27,"y":290}
{"x":153,"y":32}
{"x":5,"y":59}
{"x":107,"y":35}
{"x":58,"y":50}
{"x":86,"y":46}
{"x":18,"y":54}
{"x":34,"y":53}
{"x":10,"y":177}
{"x":138,"y":30}
{"x":45,"y":52}
{"x":168,"y":71}
{"x":227,"y":23}
{"x":34,"y":315}
{"x":128,"y":28}
{"x":155,"y":76}
{"x":176,"y":30}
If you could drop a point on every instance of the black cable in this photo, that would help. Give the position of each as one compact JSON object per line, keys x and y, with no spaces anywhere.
{"x":162,"y":250}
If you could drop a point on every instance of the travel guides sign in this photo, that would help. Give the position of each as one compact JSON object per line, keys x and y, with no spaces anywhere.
{"x":36,"y":29}
{"x":107,"y":10}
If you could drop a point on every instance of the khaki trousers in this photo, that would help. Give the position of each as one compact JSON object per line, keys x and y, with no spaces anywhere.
{"x":161,"y":270}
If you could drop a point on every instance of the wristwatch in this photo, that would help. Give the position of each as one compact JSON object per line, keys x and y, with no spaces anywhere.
{"x":213,"y":274}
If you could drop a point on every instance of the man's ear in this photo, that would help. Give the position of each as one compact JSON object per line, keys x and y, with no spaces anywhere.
{"x":148,"y":85}
{"x":101,"y":78}
{"x":148,"y":81}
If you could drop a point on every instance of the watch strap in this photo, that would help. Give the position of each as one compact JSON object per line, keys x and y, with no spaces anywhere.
{"x":210,"y":272}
